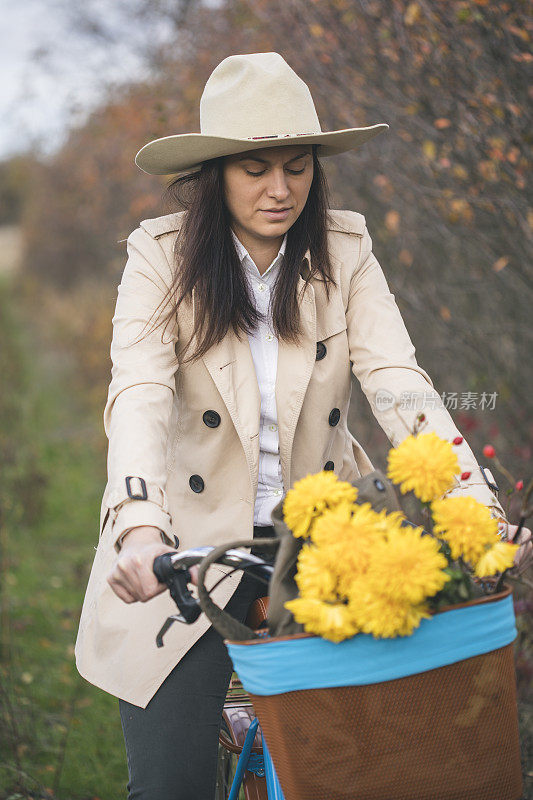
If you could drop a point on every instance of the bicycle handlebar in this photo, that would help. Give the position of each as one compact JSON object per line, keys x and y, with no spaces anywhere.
{"x":173,"y":570}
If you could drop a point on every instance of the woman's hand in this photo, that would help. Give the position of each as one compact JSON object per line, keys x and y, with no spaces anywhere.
{"x":132,"y":577}
{"x":524,"y":555}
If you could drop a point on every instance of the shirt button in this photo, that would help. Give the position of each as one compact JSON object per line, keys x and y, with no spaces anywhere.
{"x":262,"y":287}
{"x":276,"y":492}
{"x":272,"y":427}
{"x":269,"y":337}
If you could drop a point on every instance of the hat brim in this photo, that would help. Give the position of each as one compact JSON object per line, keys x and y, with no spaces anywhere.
{"x":186,"y":151}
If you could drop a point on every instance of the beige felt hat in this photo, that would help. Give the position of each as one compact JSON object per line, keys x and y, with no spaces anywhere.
{"x":249,"y":102}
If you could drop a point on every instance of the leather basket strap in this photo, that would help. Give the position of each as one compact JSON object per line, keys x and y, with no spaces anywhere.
{"x":224,"y":623}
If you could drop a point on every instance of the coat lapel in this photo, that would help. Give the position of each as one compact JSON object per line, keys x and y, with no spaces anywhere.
{"x":231,"y":367}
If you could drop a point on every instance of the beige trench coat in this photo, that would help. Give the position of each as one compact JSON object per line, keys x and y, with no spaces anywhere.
{"x":154,"y":421}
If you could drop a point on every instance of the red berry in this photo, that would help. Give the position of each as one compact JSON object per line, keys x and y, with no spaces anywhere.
{"x":465,"y":475}
{"x":489,"y":451}
{"x":519,"y":485}
{"x":421,"y":417}
{"x":458,"y":440}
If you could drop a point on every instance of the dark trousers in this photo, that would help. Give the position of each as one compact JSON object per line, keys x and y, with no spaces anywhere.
{"x":172,"y":744}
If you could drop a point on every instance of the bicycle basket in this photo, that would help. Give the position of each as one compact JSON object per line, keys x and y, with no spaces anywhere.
{"x":431,"y":715}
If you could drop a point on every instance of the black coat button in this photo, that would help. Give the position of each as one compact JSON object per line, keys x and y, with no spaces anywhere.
{"x":321,"y":351}
{"x":329,"y":465}
{"x":211,"y":418}
{"x":196,"y":482}
{"x":334,"y":417}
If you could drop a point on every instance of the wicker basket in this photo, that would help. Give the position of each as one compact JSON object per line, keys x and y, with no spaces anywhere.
{"x":431,"y":716}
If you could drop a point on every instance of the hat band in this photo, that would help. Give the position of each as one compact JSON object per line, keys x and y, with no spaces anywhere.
{"x":283,"y":135}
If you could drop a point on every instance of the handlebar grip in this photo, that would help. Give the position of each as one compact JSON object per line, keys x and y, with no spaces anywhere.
{"x":177,"y":581}
{"x":163,"y":569}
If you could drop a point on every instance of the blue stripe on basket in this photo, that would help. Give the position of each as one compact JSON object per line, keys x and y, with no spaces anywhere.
{"x":271,"y":666}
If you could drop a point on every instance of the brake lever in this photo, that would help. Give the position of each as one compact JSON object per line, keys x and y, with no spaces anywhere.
{"x":176,"y":580}
{"x":166,"y":625}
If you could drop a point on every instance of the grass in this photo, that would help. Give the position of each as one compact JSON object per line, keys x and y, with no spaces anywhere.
{"x":59,"y":736}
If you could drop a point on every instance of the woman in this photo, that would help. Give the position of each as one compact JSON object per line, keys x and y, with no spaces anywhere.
{"x":269,"y":301}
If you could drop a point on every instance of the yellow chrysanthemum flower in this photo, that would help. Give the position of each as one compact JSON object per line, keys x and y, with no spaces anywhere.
{"x":345,"y":526}
{"x":334,"y":525}
{"x":407,"y":567}
{"x":466,"y":525}
{"x":495,"y":559}
{"x":425,"y":464}
{"x":316,"y":576}
{"x":384,"y":617}
{"x":311,"y":496}
{"x":349,"y":522}
{"x":346,"y":536}
{"x":384,"y":521}
{"x":331,"y":621}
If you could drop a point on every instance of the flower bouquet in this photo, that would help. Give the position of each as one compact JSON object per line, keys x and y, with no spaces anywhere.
{"x":400,"y":684}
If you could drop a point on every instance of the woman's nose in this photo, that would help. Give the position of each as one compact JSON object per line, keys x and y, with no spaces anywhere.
{"x":278,"y":185}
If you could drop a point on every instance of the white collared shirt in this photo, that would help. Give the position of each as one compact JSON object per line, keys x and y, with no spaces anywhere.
{"x":264,"y":348}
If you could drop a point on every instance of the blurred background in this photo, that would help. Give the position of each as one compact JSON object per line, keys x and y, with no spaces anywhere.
{"x":446,"y":198}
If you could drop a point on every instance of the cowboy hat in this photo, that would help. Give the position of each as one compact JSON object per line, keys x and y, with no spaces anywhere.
{"x":249,"y":102}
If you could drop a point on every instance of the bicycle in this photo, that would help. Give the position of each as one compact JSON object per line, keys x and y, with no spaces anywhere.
{"x":245,"y":770}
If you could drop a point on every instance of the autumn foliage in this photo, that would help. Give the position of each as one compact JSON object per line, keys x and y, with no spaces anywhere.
{"x":444,"y":190}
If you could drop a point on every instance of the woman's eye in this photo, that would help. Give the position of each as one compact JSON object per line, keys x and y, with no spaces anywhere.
{"x":291,"y":171}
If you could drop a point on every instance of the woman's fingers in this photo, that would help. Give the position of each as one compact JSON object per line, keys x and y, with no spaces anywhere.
{"x":123,"y":593}
{"x":132,"y":577}
{"x":524,"y":555}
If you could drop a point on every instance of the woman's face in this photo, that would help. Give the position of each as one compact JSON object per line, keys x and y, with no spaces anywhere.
{"x":267,"y":189}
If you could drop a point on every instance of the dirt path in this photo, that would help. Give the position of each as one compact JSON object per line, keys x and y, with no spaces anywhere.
{"x":10,"y":249}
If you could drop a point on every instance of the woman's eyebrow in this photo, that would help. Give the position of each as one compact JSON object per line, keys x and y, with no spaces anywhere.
{"x":265,"y":161}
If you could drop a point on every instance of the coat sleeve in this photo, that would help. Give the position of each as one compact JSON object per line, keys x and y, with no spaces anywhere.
{"x":397,"y":388}
{"x":140,"y":396}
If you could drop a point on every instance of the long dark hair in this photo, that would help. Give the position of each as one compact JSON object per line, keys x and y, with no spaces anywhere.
{"x":205,"y":258}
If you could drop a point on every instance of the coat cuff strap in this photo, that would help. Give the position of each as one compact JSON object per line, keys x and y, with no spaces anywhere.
{"x":137,"y":502}
{"x":164,"y":539}
{"x":136,"y":488}
{"x":136,"y":513}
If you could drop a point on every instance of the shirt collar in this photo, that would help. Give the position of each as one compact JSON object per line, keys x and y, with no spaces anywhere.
{"x":245,"y":257}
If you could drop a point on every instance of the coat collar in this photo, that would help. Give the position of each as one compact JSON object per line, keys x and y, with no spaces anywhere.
{"x":248,"y":262}
{"x":231,"y":367}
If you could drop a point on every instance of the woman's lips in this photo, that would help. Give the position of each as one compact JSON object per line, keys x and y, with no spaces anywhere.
{"x":277,"y":215}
